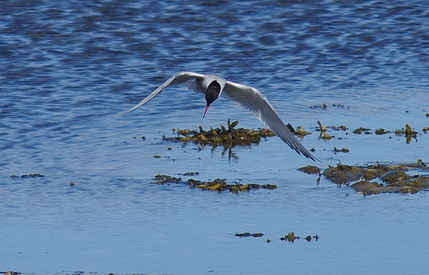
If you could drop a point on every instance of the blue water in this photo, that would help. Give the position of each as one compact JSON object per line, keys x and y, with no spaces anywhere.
{"x":70,"y":68}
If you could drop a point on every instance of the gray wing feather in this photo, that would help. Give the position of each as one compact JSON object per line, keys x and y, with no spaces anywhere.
{"x":258,"y":104}
{"x":176,"y":79}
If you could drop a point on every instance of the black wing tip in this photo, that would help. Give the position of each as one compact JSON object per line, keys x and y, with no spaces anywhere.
{"x":313,"y":158}
{"x":307,"y":155}
{"x":310,"y":156}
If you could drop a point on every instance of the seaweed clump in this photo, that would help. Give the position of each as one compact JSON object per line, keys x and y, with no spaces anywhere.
{"x":10,"y":272}
{"x":227,"y":136}
{"x":25,"y":176}
{"x":290,"y":237}
{"x":248,"y":234}
{"x":215,"y":185}
{"x":408,"y":132}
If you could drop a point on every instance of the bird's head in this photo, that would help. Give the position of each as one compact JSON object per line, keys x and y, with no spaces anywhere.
{"x":213,"y":91}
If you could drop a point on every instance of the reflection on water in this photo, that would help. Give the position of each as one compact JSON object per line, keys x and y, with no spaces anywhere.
{"x":70,"y":68}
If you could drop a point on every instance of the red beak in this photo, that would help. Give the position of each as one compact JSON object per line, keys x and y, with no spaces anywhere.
{"x":205,"y":110}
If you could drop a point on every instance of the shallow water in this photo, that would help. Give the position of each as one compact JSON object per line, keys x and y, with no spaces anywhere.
{"x":70,"y":68}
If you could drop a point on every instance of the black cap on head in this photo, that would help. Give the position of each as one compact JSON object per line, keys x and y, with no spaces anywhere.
{"x":213,"y":91}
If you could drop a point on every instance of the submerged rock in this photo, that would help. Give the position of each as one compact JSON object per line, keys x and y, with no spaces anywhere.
{"x":310,"y":169}
{"x":391,"y":178}
{"x":366,"y":187}
{"x":343,"y":173}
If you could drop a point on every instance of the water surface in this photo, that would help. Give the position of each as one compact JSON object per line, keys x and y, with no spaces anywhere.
{"x":70,"y":68}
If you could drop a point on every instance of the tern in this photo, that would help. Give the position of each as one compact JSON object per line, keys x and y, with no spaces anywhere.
{"x":213,"y":86}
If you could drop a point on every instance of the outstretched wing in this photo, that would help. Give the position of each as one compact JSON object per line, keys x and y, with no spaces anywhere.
{"x":259,"y":105}
{"x":176,"y":79}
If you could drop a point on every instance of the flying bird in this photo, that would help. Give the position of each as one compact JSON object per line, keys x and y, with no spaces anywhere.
{"x":213,"y":86}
